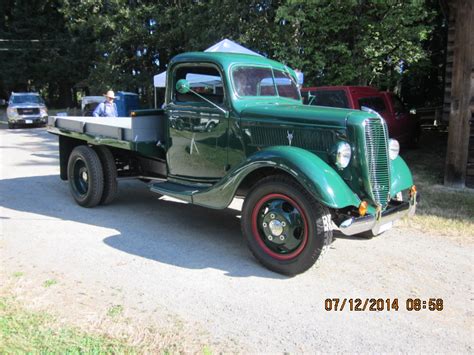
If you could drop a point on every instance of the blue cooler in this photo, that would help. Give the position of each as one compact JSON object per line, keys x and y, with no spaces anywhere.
{"x":126,"y":102}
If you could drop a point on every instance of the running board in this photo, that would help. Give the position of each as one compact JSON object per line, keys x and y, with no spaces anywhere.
{"x":179,"y":191}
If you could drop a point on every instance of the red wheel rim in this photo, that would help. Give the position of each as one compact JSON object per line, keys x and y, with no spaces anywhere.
{"x":269,"y":247}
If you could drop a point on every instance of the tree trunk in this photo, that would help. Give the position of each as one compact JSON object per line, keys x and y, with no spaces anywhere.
{"x":65,"y":95}
{"x":463,"y":64}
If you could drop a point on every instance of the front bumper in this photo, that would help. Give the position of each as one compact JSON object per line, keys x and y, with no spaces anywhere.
{"x":23,"y":119}
{"x":378,"y":223}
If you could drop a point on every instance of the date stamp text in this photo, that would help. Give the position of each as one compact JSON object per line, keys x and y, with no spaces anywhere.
{"x":383,"y":304}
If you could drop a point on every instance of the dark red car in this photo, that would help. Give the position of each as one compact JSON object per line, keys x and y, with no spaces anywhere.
{"x":402,"y":125}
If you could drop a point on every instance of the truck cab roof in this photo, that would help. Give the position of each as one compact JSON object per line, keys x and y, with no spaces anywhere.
{"x":226,"y":59}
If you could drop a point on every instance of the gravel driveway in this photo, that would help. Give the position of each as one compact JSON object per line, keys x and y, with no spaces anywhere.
{"x":184,"y":272}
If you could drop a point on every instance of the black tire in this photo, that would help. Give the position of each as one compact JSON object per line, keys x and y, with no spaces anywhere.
{"x":110,"y":174}
{"x":297,"y":217}
{"x":211,"y":127}
{"x":85,"y":175}
{"x":11,"y":125}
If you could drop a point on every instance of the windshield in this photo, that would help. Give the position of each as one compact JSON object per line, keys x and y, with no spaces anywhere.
{"x":258,"y":81}
{"x":27,"y":99}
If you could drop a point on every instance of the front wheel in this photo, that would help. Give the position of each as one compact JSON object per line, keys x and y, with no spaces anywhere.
{"x":286,"y":228}
{"x":85,"y":175}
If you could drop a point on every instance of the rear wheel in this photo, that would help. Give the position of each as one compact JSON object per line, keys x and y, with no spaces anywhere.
{"x":11,"y":125}
{"x":110,"y":174}
{"x":85,"y":175}
{"x":211,"y":127}
{"x":285,"y":227}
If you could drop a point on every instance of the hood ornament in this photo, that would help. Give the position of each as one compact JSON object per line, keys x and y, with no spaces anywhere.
{"x":289,"y":136}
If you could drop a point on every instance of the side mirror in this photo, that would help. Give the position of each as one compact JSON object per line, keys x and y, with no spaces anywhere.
{"x":182,"y":86}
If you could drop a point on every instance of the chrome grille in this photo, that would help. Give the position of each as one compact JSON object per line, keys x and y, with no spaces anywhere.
{"x":28,"y":111}
{"x":311,"y":139}
{"x":376,"y":145}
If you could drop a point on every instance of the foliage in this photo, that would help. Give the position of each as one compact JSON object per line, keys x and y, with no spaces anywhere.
{"x":95,"y":45}
{"x":37,"y":52}
{"x":354,"y":41}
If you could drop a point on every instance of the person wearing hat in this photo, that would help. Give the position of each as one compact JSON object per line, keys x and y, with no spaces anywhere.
{"x":106,"y":108}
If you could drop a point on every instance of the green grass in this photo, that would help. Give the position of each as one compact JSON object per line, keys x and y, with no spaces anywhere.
{"x":18,"y":274}
{"x":442,"y":210}
{"x":115,"y":311}
{"x":206,"y":351}
{"x":22,"y":331}
{"x":49,"y":283}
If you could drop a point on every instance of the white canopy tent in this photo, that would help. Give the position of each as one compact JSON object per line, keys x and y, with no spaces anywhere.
{"x":226,"y":45}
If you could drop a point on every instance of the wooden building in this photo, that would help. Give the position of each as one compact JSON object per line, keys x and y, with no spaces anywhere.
{"x":459,"y":93}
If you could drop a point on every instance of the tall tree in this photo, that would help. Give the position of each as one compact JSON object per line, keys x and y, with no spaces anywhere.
{"x":353,"y":41}
{"x":37,"y":51}
{"x":56,"y":45}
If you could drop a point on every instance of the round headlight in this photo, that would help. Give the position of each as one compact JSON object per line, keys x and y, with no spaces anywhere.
{"x":12,"y":112}
{"x":393,"y":148}
{"x":343,"y":155}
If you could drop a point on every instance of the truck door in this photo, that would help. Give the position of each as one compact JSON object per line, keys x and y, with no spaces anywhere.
{"x":197,"y":148}
{"x":402,"y":120}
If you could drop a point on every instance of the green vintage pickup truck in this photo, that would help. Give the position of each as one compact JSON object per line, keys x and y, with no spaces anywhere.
{"x":234,"y":125}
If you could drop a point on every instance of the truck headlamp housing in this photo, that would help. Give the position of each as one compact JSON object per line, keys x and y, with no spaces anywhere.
{"x":343,"y":155}
{"x":43,"y":111}
{"x":393,"y":148}
{"x":12,"y":112}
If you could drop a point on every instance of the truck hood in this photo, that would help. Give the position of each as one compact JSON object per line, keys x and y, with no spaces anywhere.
{"x":27,"y":105}
{"x":296,"y":113}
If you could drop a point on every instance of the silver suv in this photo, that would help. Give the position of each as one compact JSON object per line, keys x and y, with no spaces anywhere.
{"x":26,"y":108}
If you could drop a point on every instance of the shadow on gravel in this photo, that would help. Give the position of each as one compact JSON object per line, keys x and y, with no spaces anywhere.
{"x":339,"y":235}
{"x":41,"y":139}
{"x":169,"y":232}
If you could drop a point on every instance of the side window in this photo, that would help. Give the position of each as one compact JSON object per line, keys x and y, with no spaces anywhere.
{"x":375,"y":103}
{"x":398,"y":105}
{"x":331,"y":98}
{"x":305,"y":97}
{"x":205,"y":80}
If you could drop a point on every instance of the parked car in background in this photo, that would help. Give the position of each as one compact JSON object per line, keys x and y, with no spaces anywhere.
{"x":402,"y":125}
{"x":26,"y":108}
{"x":125,"y":101}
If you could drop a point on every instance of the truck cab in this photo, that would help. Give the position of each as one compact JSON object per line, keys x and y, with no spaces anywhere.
{"x":402,"y":125}
{"x":26,"y":109}
{"x":301,"y":170}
